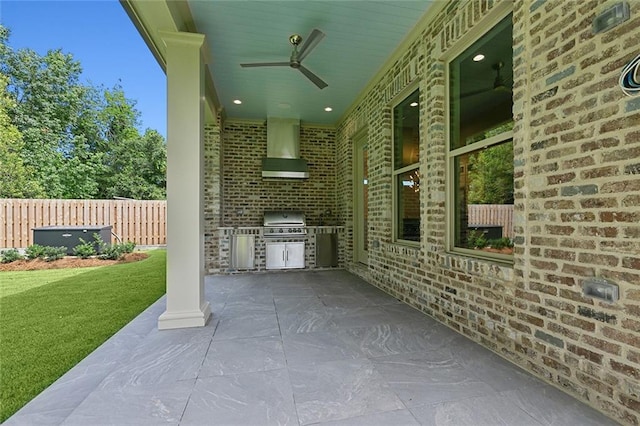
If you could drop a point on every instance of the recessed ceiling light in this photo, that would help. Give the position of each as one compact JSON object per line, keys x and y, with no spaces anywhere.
{"x":413,"y":104}
{"x":478,"y":57}
{"x":237,"y":101}
{"x":328,"y":109}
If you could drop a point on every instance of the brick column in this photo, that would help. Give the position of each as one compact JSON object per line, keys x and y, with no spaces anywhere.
{"x":186,"y":306}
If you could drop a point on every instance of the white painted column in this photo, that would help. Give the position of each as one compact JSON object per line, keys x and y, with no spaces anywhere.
{"x":186,"y":305}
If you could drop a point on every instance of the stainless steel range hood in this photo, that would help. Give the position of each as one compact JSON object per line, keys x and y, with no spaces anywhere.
{"x":283,"y":150}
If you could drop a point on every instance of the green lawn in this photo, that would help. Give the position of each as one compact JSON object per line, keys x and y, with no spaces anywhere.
{"x":17,"y":282}
{"x":52,"y":319}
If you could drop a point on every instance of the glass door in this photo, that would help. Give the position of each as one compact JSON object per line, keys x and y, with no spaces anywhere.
{"x":361,"y":210}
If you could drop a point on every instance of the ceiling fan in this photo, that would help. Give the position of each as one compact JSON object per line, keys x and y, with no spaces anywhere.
{"x":297,"y":56}
{"x":499,"y":83}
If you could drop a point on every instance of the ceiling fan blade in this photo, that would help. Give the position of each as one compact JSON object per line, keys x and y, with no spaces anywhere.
{"x":314,"y":38}
{"x":503,"y":85}
{"x":265,"y":64}
{"x":314,"y":78}
{"x":476,"y":92}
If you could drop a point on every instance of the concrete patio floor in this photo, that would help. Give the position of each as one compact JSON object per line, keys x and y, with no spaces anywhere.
{"x":299,"y":348}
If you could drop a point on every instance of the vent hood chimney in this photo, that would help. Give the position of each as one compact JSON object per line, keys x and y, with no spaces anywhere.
{"x":283,"y":150}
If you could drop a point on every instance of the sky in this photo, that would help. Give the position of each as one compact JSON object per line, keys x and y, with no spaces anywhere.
{"x":99,"y":35}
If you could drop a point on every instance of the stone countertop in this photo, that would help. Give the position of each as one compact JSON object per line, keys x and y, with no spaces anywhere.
{"x":240,"y":227}
{"x":257,"y":228}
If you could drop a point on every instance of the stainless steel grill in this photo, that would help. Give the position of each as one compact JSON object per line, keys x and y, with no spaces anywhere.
{"x":284,"y":224}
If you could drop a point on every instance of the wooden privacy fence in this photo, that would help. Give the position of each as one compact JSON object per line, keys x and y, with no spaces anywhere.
{"x":492,"y":214}
{"x":140,"y":221}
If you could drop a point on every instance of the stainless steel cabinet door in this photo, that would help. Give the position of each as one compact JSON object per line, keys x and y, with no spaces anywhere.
{"x":294,"y":255}
{"x":243,"y":251}
{"x":275,"y":256}
{"x":289,"y":255}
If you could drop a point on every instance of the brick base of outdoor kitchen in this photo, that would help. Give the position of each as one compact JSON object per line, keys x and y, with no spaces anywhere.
{"x":225,"y":235}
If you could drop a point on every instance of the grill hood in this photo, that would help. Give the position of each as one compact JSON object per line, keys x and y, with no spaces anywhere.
{"x":283,"y":150}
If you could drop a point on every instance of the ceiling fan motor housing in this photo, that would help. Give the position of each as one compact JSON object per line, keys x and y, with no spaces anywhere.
{"x":295,"y":39}
{"x":498,"y":83}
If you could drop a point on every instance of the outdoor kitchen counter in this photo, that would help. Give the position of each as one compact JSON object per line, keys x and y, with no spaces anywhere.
{"x":225,"y":235}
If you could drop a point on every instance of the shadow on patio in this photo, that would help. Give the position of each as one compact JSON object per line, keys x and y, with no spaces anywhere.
{"x":299,"y":348}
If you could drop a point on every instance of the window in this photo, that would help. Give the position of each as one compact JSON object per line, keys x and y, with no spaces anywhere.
{"x":406,"y":174}
{"x":480,"y":156}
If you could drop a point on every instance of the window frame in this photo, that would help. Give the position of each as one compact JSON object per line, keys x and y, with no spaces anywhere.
{"x":398,"y":99}
{"x":494,"y":18}
{"x":359,"y":140}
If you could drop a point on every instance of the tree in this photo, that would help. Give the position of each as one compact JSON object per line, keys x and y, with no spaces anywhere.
{"x":76,"y":140}
{"x":82,"y":156}
{"x":137,"y":168}
{"x":134,"y":166}
{"x":15,"y":177}
{"x":48,"y":96}
{"x":491,"y":175}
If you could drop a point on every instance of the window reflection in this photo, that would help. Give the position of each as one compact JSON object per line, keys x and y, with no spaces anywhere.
{"x":481,"y":149}
{"x":406,"y":157}
{"x":406,"y":132}
{"x":408,"y":204}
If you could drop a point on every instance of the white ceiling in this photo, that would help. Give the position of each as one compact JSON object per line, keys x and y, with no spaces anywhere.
{"x":360,"y":36}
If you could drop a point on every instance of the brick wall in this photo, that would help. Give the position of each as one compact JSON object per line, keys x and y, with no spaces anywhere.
{"x":246,"y":195}
{"x":577,"y":200}
{"x":579,"y":197}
